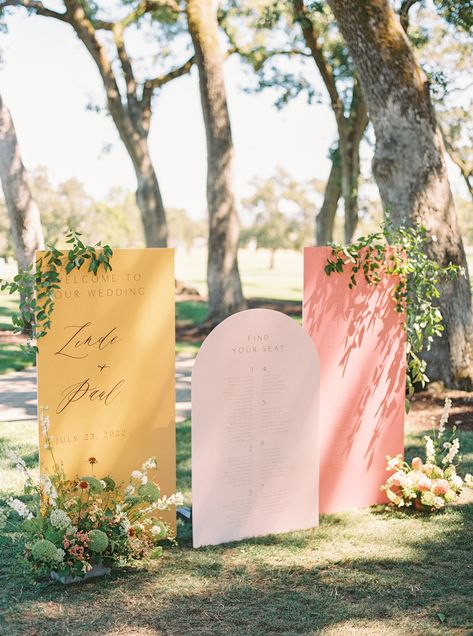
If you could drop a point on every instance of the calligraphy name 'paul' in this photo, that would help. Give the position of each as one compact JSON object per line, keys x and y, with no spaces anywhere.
{"x":85,"y":390}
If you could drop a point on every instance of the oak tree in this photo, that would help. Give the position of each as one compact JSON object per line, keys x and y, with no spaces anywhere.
{"x":129,"y":97}
{"x":409,"y":164}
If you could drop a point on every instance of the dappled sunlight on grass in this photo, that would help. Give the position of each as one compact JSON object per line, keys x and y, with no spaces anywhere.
{"x":375,"y":571}
{"x":20,"y":437}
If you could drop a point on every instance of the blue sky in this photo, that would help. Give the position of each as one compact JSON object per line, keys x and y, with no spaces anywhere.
{"x":47,"y":79}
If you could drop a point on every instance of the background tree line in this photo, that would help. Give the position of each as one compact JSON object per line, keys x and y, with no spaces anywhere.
{"x":391,"y":74}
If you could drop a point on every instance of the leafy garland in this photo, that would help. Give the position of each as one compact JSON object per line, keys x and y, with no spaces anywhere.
{"x":37,"y":284}
{"x":401,"y":252}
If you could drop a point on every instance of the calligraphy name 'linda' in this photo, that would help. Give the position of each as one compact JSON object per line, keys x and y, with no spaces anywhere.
{"x":83,"y":338}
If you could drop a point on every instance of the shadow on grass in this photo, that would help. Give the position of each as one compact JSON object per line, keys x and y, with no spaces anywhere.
{"x":394,"y":574}
{"x":204,"y":592}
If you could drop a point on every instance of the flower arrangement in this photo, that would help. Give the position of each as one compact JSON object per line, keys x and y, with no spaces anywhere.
{"x":74,"y":525}
{"x":431,"y":485}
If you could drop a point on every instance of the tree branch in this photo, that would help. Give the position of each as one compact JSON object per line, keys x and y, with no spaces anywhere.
{"x":311,"y":39}
{"x":152,"y":84}
{"x":358,"y":113}
{"x":404,"y":13}
{"x":146,"y":6}
{"x":118,"y":36}
{"x":465,"y":169}
{"x":250,"y":53}
{"x":37,"y":7}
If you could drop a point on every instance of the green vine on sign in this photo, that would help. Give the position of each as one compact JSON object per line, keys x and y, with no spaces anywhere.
{"x":401,"y":252}
{"x":38,"y":283}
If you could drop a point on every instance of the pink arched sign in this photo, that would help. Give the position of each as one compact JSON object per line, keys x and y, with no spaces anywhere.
{"x":255,"y":453}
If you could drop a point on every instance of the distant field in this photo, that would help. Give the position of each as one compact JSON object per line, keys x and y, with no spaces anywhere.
{"x":284,"y":282}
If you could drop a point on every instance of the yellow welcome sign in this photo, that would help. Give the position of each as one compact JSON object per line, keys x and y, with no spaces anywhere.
{"x":106,"y":368}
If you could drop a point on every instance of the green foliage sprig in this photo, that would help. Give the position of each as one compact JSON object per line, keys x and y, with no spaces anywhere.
{"x":37,"y":284}
{"x":401,"y":253}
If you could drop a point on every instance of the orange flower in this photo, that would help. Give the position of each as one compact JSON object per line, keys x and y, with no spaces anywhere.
{"x":92,"y":461}
{"x":84,"y":485}
{"x":131,"y":532}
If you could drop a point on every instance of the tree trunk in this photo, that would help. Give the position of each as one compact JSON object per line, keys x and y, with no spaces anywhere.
{"x":350,"y":128}
{"x":409,"y":164}
{"x":132,"y":120}
{"x":223,"y":278}
{"x":150,"y":202}
{"x":325,"y":219}
{"x":272,"y":258}
{"x":22,"y":209}
{"x":350,"y":176}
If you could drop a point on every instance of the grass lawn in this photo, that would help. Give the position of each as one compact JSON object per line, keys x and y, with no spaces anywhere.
{"x":363,"y":572}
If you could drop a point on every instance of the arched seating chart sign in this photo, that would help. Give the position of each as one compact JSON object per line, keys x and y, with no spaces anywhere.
{"x":362,"y":347}
{"x":254,"y":429}
{"x":106,"y":369}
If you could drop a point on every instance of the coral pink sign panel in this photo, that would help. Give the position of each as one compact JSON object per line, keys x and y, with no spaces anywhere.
{"x":254,"y":429}
{"x":361,"y":346}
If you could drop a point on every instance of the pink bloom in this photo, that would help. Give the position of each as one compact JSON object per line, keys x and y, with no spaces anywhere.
{"x":398,"y":479}
{"x":424,"y":483}
{"x":417,"y":463}
{"x":440,"y":486}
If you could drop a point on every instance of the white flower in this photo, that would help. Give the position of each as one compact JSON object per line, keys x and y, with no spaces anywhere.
{"x":445,"y":413}
{"x":177,"y":499}
{"x":144,"y":480}
{"x":20,"y":508}
{"x":429,"y":449}
{"x":49,"y":488}
{"x":468,"y":480}
{"x":457,"y":481}
{"x":148,"y":464}
{"x":45,"y":424}
{"x":136,"y":474}
{"x":125,"y":524}
{"x":162,"y":504}
{"x":453,"y":450}
{"x":103,"y":483}
{"x":60,"y":554}
{"x":393,"y":462}
{"x":16,"y":459}
{"x":438,"y":502}
{"x":173,"y":500}
{"x":156,"y":531}
{"x":59,"y":519}
{"x":129,"y":490}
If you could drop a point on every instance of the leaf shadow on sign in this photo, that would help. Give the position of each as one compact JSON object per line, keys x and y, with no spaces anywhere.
{"x":361,"y":344}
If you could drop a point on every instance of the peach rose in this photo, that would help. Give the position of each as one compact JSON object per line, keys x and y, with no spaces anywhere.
{"x":424,"y":483}
{"x":417,"y":463}
{"x":440,"y":486}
